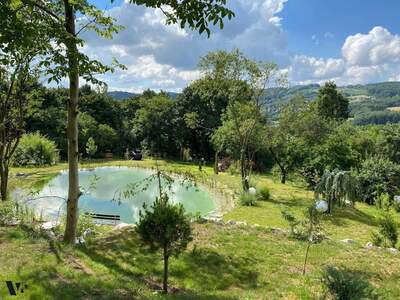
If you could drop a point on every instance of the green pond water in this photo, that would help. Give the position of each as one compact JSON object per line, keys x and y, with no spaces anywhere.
{"x":103,"y":197}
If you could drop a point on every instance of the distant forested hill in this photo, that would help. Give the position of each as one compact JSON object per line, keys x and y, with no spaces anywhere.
{"x":376,"y":103}
{"x":120,"y":95}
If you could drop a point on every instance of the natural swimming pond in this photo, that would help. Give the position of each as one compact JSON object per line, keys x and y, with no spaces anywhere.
{"x":103,"y":197}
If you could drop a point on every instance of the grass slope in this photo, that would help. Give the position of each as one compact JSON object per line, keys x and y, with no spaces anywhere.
{"x":223,"y":262}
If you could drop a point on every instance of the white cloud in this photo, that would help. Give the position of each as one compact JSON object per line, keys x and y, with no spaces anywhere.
{"x":310,"y":69}
{"x":166,"y":57}
{"x":370,"y":57}
{"x":377,"y":47}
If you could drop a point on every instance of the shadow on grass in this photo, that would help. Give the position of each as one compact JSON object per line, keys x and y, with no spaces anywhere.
{"x":204,"y":269}
{"x":207,"y":268}
{"x":292,"y":202}
{"x":111,"y":268}
{"x":340,"y":214}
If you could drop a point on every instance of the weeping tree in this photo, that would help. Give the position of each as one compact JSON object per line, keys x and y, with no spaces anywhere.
{"x":337,"y":187}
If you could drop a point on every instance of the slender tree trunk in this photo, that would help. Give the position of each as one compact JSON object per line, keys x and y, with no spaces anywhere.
{"x":243,"y":171}
{"x":72,"y":127}
{"x":306,"y":258}
{"x":281,"y":166}
{"x":216,"y":161}
{"x":329,"y":205}
{"x":165,"y":280}
{"x":283,"y":175}
{"x":4,"y":180}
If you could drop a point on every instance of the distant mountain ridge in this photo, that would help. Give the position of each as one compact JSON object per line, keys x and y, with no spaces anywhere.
{"x":374,"y":103}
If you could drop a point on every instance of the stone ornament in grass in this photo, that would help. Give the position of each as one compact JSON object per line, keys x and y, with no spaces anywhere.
{"x":321,"y":206}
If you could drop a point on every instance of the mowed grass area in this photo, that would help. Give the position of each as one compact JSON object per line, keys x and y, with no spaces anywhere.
{"x":222,"y":262}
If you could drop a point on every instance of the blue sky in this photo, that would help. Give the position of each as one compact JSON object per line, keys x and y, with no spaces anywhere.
{"x":302,"y":19}
{"x":313,"y":41}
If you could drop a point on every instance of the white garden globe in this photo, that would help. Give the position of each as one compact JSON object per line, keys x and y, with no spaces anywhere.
{"x":252,"y":191}
{"x":321,"y":206}
{"x":397,"y":199}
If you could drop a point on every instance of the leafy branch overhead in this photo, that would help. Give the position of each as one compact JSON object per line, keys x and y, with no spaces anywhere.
{"x":54,"y":59}
{"x":199,"y":15}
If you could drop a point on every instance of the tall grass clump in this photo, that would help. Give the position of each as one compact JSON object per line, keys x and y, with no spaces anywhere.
{"x":263,"y":193}
{"x":247,"y":199}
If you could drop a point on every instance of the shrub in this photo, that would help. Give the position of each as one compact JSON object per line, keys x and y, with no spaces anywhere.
{"x":35,"y":149}
{"x":247,"y":199}
{"x":387,"y":234}
{"x":343,"y":284}
{"x":7,"y":212}
{"x":234,"y":168}
{"x":263,"y":193}
{"x":383,"y":201}
{"x":378,"y":176}
{"x":91,"y":147}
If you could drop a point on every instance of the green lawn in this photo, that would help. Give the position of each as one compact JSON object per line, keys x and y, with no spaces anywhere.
{"x":223,"y":262}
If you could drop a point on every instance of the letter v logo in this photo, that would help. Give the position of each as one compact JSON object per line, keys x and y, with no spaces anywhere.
{"x":19,"y":287}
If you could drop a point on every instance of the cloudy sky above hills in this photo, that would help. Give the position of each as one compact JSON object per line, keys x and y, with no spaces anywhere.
{"x":349,"y":41}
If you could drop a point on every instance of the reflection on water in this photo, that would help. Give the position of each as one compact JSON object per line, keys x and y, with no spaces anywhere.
{"x":111,"y":180}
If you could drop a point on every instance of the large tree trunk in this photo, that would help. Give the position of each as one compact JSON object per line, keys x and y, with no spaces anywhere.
{"x":4,"y":180}
{"x":165,"y":280}
{"x":72,"y":127}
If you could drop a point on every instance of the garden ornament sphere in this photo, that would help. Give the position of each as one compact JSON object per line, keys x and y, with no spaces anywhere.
{"x":397,"y":199}
{"x":252,"y":191}
{"x":321,"y":206}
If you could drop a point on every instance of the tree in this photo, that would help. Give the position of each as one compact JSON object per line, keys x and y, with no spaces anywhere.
{"x":337,"y":187}
{"x":200,"y":107}
{"x":65,"y":60}
{"x":378,"y":175}
{"x":331,"y":103}
{"x":287,"y":142}
{"x":154,"y":126}
{"x":239,"y":120}
{"x":165,"y":226}
{"x":21,"y":42}
{"x":388,"y":143}
{"x":244,"y":111}
{"x":91,"y":147}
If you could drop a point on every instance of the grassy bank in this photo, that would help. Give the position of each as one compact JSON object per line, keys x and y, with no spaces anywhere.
{"x":223,"y":262}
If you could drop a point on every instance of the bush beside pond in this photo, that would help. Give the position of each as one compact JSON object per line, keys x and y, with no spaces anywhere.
{"x":35,"y":150}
